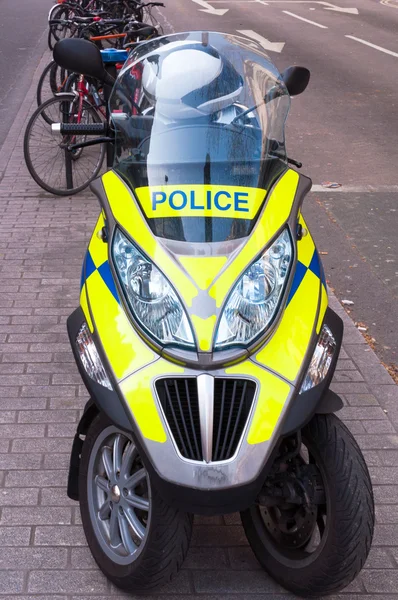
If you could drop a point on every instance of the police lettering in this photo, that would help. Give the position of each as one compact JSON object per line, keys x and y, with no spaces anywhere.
{"x":220,"y":201}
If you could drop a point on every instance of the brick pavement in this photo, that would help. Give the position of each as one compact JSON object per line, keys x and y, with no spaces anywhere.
{"x":43,"y":552}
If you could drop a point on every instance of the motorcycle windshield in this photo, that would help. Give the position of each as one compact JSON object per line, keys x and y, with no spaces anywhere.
{"x":199,"y":119}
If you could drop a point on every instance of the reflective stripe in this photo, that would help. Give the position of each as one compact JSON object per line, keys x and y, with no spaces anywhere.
{"x":272,"y":396}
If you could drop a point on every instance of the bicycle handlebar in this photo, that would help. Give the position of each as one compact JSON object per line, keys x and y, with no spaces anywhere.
{"x":79,"y":129}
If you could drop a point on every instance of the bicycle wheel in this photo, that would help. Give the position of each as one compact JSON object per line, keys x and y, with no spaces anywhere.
{"x":52,"y":165}
{"x":51,"y":82}
{"x":59,"y":31}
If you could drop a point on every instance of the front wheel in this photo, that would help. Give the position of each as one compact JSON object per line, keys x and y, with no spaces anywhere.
{"x":316,"y":547}
{"x":137,"y":540}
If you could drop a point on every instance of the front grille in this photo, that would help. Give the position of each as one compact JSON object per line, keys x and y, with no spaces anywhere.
{"x":233,"y":400}
{"x":179,"y":400}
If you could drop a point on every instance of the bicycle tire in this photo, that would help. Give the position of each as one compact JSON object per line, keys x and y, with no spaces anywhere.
{"x":52,"y":81}
{"x":56,"y":147}
{"x":65,"y":11}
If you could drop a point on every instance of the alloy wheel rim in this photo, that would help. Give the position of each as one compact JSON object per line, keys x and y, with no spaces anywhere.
{"x":119,"y":496}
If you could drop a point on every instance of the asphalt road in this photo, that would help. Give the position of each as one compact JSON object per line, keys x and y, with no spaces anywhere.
{"x":23,"y":25}
{"x":343,"y":128}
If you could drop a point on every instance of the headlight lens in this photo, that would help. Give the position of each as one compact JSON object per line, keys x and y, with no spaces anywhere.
{"x":152,"y":300}
{"x":90,"y":358}
{"x":321,"y":360}
{"x":255,"y":298}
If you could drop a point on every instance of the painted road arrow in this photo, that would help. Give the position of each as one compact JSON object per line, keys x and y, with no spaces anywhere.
{"x":266,"y":44}
{"x":350,"y":11}
{"x":209,"y":9}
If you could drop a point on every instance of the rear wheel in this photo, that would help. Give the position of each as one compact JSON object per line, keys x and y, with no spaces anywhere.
{"x":315,"y":542}
{"x":138,"y":541}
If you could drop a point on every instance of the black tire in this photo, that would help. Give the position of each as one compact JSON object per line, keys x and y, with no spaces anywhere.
{"x":57,"y":31}
{"x":85,"y":163}
{"x":168,"y":532}
{"x":52,"y":81}
{"x":350,"y":520}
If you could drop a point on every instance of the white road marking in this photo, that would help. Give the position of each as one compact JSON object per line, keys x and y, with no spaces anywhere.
{"x":302,"y":19}
{"x":357,"y":189}
{"x":350,"y":11}
{"x":352,"y":37}
{"x":327,"y":5}
{"x":209,"y":9}
{"x":266,"y":44}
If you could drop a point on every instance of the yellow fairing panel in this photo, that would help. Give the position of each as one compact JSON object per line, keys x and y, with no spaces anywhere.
{"x":137,"y":390}
{"x":127,"y":213}
{"x":124,"y":348}
{"x":204,"y":331}
{"x":200,"y":201}
{"x":284,"y":353}
{"x":273,"y":394}
{"x":276,"y":213}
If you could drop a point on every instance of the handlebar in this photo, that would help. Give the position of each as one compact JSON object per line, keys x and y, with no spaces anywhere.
{"x":79,"y":129}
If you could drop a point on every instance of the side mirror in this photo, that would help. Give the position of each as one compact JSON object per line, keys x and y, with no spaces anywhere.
{"x":296,"y":79}
{"x":81,"y":56}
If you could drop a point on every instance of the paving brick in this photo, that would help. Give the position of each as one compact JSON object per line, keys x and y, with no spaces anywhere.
{"x":47,"y":416}
{"x":11,"y":582}
{"x":379,"y":427}
{"x":67,"y":430}
{"x":62,"y":535}
{"x":14,"y":536}
{"x":11,"y":462}
{"x":39,"y":479}
{"x":81,"y":558}
{"x":61,"y":582}
{"x":4,"y":445}
{"x":389,"y":458}
{"x":385,"y":494}
{"x":55,"y":497}
{"x":22,"y":403}
{"x":38,"y":515}
{"x":234,"y":582}
{"x":385,"y":535}
{"x":380,"y":558}
{"x":12,"y":431}
{"x":34,"y":558}
{"x":362,"y":413}
{"x":7,"y":416}
{"x":24,"y":497}
{"x":243,"y":559}
{"x":380,"y":582}
{"x":206,"y":558}
{"x":384,"y":475}
{"x":377,"y":442}
{"x":387,"y":513}
{"x":208,"y":535}
{"x":42,"y":445}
